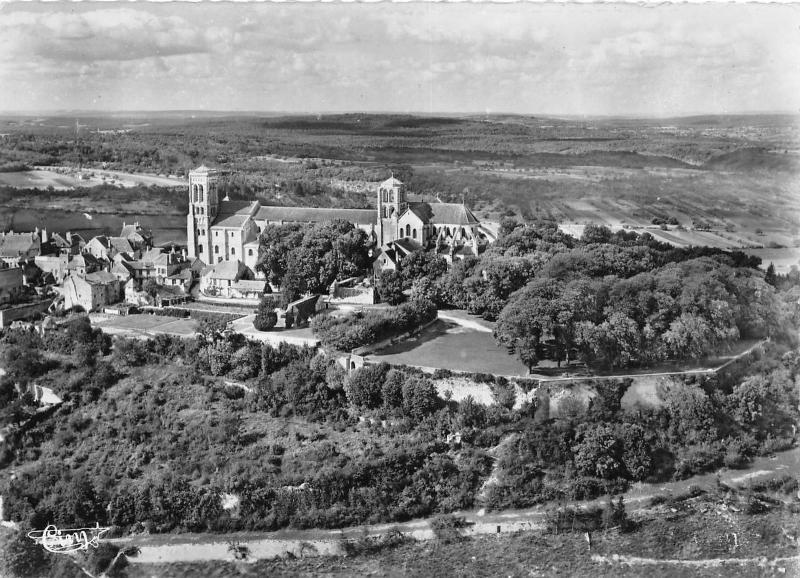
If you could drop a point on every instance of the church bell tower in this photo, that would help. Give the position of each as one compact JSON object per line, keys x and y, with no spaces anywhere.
{"x":203,"y":206}
{"x":391,"y":204}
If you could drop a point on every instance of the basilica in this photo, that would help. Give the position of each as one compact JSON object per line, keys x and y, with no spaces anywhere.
{"x":221,"y":230}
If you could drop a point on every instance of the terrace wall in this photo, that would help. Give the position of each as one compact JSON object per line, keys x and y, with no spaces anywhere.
{"x":17,"y":312}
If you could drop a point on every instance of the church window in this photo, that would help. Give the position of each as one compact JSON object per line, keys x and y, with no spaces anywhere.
{"x":233,"y":250}
{"x":200,"y":193}
{"x":414,"y":234}
{"x":199,"y":249}
{"x":216,"y":249}
{"x":249,"y":252}
{"x":391,"y":197}
{"x":197,"y":232}
{"x":408,"y":230}
{"x":216,"y":233}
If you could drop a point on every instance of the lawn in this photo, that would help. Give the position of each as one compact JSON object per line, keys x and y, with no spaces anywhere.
{"x":148,"y":324}
{"x":450,"y":346}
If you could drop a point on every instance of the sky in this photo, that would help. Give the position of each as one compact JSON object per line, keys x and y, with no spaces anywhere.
{"x":568,"y":59}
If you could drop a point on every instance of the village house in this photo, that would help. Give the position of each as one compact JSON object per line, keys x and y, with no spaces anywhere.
{"x":92,"y":292}
{"x":106,"y":248}
{"x":220,"y":279}
{"x":83,"y":264}
{"x":139,"y":238}
{"x":16,"y":247}
{"x":68,"y":244}
{"x":11,"y":284}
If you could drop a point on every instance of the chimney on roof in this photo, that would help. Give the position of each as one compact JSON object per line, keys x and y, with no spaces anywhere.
{"x":69,"y":237}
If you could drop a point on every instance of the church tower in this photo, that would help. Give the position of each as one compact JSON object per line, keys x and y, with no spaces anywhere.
{"x":391,"y":204}
{"x":203,"y":207}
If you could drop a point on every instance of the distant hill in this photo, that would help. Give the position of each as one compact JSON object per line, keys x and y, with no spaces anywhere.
{"x":755,"y":159}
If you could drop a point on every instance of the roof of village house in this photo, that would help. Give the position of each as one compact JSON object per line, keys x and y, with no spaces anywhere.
{"x":63,"y":243}
{"x":305,"y":305}
{"x":228,"y":270}
{"x":122,"y":268}
{"x":316,"y":215}
{"x":249,"y":285}
{"x":183,"y":274}
{"x":139,"y":265}
{"x":151,"y":254}
{"x":387,"y":252}
{"x":102,"y":239}
{"x":101,"y":277}
{"x":16,"y":244}
{"x":82,"y":260}
{"x":170,"y":291}
{"x":120,"y":244}
{"x":134,"y":231}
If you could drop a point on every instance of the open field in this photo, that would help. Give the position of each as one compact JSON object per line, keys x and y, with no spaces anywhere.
{"x":783,"y":259}
{"x":67,"y":178}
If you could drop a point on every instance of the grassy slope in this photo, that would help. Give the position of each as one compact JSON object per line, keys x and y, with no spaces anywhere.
{"x":698,"y":530}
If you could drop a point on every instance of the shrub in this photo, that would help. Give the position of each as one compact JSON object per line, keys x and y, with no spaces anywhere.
{"x":265,"y":318}
{"x":448,"y":528}
{"x":363,"y":328}
{"x":419,"y":398}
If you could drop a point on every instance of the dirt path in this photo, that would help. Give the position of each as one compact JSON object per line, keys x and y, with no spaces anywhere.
{"x":709,"y":563}
{"x":161,"y":548}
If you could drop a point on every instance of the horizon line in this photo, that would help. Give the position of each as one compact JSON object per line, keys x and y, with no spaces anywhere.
{"x":633,"y":116}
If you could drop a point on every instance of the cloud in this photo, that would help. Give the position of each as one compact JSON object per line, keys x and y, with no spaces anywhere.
{"x":404,"y":56}
{"x":108,"y":34}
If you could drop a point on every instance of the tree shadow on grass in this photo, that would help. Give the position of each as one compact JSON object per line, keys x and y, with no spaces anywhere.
{"x":434,"y":331}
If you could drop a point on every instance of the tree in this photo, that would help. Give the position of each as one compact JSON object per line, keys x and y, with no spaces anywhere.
{"x":265,"y":318}
{"x":20,"y":556}
{"x":419,"y":398}
{"x":419,"y":264}
{"x":637,"y":450}
{"x":390,"y":287}
{"x":150,"y":287}
{"x":392,"y":390}
{"x":770,"y":276}
{"x":364,"y":387}
{"x":596,"y":234}
{"x":598,"y":452}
